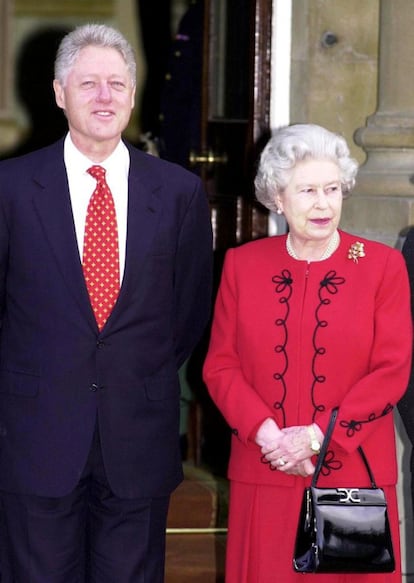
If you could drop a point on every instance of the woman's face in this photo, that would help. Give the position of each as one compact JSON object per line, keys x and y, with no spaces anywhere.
{"x":312,"y":201}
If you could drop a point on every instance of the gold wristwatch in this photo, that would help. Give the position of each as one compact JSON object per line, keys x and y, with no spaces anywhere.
{"x":314,"y":443}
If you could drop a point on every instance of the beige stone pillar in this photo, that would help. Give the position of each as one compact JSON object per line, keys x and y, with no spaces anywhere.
{"x":8,"y":129}
{"x":383,"y":201}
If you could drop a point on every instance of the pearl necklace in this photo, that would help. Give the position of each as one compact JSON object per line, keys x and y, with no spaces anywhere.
{"x":330,"y":249}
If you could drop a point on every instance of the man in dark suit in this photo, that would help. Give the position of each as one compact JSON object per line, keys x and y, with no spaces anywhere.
{"x":89,"y":392}
{"x":406,"y":405}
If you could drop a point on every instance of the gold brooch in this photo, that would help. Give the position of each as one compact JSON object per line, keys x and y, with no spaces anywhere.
{"x":355,"y":251}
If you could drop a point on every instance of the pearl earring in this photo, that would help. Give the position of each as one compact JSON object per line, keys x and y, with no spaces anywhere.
{"x":278,"y":211}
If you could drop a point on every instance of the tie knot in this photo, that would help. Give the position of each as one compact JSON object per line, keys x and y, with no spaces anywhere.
{"x":98,"y":172}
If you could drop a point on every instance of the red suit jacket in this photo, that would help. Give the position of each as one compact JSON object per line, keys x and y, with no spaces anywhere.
{"x":58,"y":374}
{"x":291,"y":340}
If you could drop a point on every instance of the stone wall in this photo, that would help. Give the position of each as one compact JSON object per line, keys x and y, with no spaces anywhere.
{"x":334,"y":64}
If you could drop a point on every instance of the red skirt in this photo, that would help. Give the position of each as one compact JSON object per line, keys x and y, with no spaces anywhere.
{"x":262,"y":531}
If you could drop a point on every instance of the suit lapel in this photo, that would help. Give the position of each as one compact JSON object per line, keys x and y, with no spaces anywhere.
{"x":53,"y":206}
{"x":52,"y":203}
{"x":144,"y":212}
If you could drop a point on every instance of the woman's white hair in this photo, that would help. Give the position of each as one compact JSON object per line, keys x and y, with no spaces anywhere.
{"x":296,"y":143}
{"x":99,"y":35}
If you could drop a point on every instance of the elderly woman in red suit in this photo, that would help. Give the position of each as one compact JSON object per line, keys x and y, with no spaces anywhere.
{"x":303,"y":323}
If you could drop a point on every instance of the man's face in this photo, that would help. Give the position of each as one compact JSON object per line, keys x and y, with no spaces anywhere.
{"x":97,"y":98}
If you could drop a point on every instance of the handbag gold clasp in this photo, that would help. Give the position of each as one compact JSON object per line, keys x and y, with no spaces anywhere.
{"x":349,"y":495}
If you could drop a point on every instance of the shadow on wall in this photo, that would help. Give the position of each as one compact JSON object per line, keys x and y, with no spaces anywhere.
{"x":34,"y":90}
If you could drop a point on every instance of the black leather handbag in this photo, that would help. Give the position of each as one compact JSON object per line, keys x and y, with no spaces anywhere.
{"x":343,"y":530}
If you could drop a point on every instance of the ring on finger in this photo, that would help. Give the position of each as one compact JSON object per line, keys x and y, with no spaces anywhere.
{"x":281,"y":462}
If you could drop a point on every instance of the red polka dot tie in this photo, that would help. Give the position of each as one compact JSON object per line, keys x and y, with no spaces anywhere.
{"x":100,"y":249}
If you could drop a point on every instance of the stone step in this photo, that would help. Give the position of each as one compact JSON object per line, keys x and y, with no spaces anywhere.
{"x":196,"y":537}
{"x":195,"y":558}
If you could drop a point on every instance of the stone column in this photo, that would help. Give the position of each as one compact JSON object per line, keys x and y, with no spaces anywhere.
{"x":8,"y":130}
{"x":382,"y":204}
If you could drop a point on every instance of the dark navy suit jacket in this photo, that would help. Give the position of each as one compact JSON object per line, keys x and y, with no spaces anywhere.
{"x":406,"y":405}
{"x":57,"y":372}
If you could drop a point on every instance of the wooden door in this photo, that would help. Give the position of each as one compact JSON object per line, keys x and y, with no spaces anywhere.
{"x":234,"y":115}
{"x":234,"y":124}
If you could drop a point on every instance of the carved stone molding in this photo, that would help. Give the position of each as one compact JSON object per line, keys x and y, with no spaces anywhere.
{"x":5,"y":61}
{"x":53,"y":8}
{"x":388,"y":137}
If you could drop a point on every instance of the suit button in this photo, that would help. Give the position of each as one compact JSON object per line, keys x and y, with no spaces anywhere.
{"x":100,"y":344}
{"x":94,"y":387}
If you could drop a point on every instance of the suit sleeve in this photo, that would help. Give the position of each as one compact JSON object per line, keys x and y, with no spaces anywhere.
{"x":193,"y":275}
{"x":406,"y":405}
{"x":373,"y":396}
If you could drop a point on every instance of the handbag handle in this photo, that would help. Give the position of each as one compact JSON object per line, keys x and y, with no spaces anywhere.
{"x":324,"y":448}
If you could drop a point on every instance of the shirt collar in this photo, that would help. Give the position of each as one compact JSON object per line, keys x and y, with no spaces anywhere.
{"x":75,"y":159}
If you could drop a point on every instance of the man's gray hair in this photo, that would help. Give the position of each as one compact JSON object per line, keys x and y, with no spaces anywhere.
{"x":99,"y":35}
{"x":297,"y":143}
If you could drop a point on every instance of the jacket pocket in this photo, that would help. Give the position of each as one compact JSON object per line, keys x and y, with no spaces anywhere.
{"x":19,"y":383}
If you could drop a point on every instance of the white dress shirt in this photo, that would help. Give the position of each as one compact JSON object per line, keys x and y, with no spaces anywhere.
{"x":82,"y":185}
